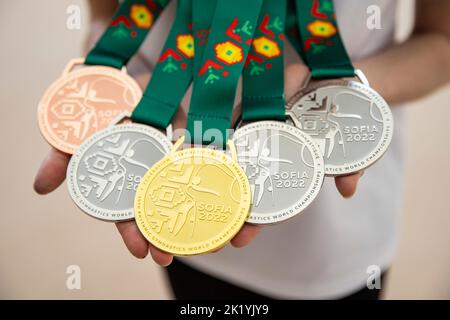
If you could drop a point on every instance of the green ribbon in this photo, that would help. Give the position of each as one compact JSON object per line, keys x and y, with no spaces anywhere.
{"x":263,"y":75}
{"x":172,"y":74}
{"x":131,"y":23}
{"x":201,"y":24}
{"x":225,"y":53}
{"x":292,"y":30}
{"x":321,"y":45}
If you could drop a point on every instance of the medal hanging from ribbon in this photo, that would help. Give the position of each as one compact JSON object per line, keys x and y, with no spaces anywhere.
{"x":195,"y":200}
{"x":87,"y":99}
{"x":106,"y":170}
{"x":351,"y":123}
{"x":283,"y":164}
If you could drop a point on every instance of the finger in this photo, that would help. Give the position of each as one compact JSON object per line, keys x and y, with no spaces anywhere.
{"x":294,"y":78}
{"x":346,"y":185}
{"x":133,"y":239}
{"x":52,"y":172}
{"x":160,"y":257}
{"x":245,"y":235}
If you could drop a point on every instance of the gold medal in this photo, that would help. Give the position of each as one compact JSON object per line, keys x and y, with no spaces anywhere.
{"x":193,"y":201}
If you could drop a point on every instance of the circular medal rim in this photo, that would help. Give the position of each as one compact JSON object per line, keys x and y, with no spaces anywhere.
{"x":43,"y":106}
{"x":319,"y":172}
{"x":189,"y":250}
{"x":72,"y":168}
{"x":386,"y":113}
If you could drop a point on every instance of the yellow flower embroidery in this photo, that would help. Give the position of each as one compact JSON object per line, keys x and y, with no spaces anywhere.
{"x":141,"y":16}
{"x":185,"y":44}
{"x":266,"y":47}
{"x":323,"y":29}
{"x":228,"y":52}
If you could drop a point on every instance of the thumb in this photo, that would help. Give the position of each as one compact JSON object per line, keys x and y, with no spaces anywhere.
{"x":346,"y":185}
{"x":52,"y":172}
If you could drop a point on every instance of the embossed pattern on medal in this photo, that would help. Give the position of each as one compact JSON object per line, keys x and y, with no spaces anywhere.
{"x":350,"y":122}
{"x":193,"y":201}
{"x":104,"y":173}
{"x":82,"y":102}
{"x":284,"y":166}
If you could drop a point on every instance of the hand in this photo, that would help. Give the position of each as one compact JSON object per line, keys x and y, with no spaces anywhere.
{"x":53,"y":172}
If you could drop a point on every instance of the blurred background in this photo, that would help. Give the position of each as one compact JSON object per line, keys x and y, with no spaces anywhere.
{"x":40,"y":237}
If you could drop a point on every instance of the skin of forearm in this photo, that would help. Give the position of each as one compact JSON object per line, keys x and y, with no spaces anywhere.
{"x":409,"y":70}
{"x":420,"y":65}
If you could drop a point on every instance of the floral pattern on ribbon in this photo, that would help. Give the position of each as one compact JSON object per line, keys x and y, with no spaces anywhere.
{"x":266,"y":47}
{"x":323,"y":29}
{"x":228,"y":52}
{"x":141,"y":16}
{"x":185,"y":44}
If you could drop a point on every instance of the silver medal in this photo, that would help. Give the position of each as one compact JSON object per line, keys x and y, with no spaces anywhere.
{"x":105,"y":171}
{"x":284,"y":166}
{"x":351,"y":123}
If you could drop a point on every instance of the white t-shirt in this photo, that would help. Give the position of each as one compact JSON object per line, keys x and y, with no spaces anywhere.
{"x":325,"y":252}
